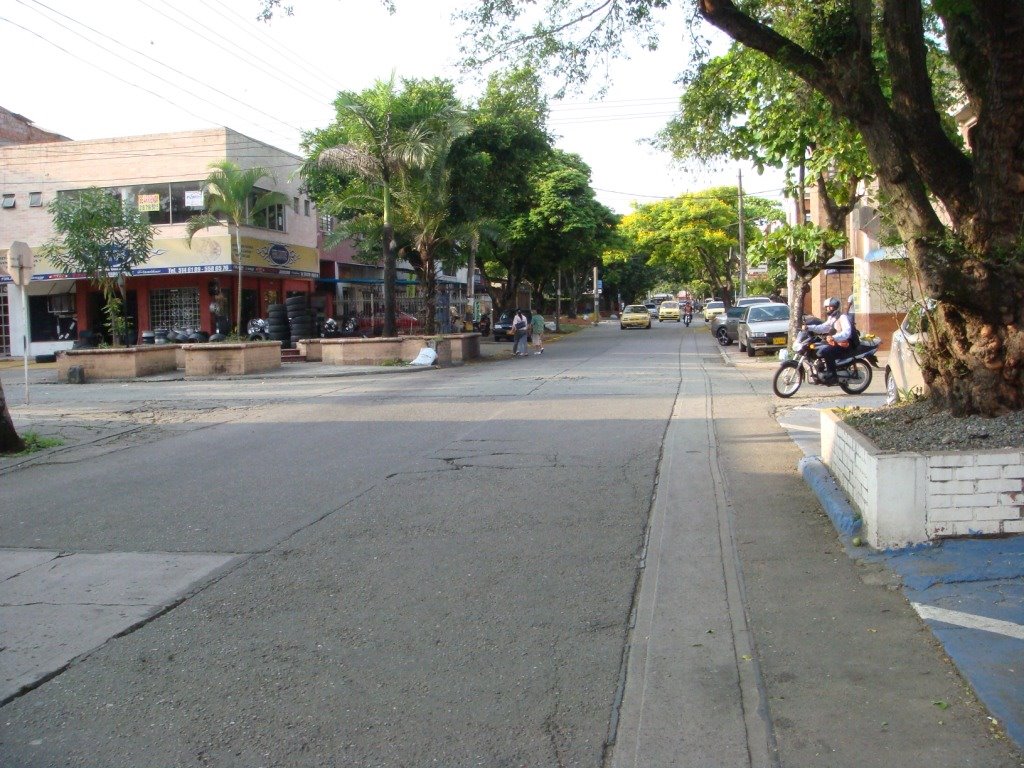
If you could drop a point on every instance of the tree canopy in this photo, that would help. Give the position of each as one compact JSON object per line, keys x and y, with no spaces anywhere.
{"x":958,"y":212}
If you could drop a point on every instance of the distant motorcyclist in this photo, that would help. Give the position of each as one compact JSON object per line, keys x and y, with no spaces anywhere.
{"x":837,"y":331}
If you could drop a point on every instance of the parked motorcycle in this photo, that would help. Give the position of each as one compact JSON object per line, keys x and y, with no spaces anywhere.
{"x":853,"y":373}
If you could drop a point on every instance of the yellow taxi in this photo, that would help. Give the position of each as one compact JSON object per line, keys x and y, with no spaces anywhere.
{"x":713,"y":308}
{"x":668,"y":310}
{"x":635,"y":316}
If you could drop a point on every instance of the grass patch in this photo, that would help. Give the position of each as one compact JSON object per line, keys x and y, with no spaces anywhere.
{"x":393,"y":362}
{"x":35,"y":442}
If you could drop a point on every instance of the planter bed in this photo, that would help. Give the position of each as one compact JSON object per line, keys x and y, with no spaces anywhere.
{"x":909,"y":498}
{"x":118,"y":362}
{"x":375,"y":351}
{"x":237,"y":359}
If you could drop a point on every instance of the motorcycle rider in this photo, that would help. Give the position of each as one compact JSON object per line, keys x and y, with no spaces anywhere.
{"x":837,"y":330}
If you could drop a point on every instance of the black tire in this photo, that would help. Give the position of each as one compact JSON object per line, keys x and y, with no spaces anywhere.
{"x":751,"y":352}
{"x":622,"y":327}
{"x":723,"y":337}
{"x":295,"y":302}
{"x":277,"y":327}
{"x":787,"y":379}
{"x":276,"y":308}
{"x":861,"y":372}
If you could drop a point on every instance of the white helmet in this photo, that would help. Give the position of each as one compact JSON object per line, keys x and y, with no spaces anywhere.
{"x":831,"y":304}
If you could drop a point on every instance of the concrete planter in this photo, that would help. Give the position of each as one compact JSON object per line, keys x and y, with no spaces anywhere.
{"x":118,"y":362}
{"x":311,"y":349}
{"x":237,"y":359}
{"x":910,"y":498}
{"x":361,"y":351}
{"x":465,"y":346}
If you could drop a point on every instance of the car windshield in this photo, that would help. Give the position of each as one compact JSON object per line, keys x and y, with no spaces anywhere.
{"x":670,"y":305}
{"x":765,"y":314}
{"x":715,"y":304}
{"x":635,"y":309}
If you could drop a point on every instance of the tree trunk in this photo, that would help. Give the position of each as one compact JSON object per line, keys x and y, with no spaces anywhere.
{"x":10,"y":441}
{"x":390,"y":276}
{"x":238,"y":297}
{"x":430,"y":293}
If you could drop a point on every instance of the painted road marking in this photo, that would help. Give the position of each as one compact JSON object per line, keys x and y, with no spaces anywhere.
{"x":970,"y":621}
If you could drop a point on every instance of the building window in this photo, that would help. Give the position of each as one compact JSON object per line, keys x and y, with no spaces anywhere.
{"x":35,"y":199}
{"x":8,"y":201}
{"x":327,"y":223}
{"x":305,"y":207}
{"x":174,"y":308}
{"x":268,"y":218}
{"x":295,"y":204}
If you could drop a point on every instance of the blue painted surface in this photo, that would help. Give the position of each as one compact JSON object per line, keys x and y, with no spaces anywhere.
{"x":977,"y":576}
{"x":982,"y":577}
{"x":817,"y":476}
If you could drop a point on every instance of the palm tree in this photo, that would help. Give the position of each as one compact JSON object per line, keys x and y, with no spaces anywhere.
{"x":378,"y":136}
{"x":232,"y":192}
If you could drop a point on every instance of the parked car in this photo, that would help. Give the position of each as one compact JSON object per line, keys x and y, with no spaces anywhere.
{"x":635,"y":316}
{"x":763,"y":327}
{"x":503,"y":326}
{"x":713,"y":309}
{"x":903,"y":370}
{"x":724,"y":326}
{"x":668,"y":310}
{"x":746,"y":301}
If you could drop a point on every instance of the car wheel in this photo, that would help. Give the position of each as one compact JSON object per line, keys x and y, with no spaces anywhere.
{"x":892,"y":392}
{"x":751,"y":352}
{"x":723,"y":337}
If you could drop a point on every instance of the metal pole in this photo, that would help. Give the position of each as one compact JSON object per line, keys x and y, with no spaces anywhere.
{"x":27,"y":330}
{"x":558,"y":303}
{"x":743,"y":240}
{"x":597,"y":312}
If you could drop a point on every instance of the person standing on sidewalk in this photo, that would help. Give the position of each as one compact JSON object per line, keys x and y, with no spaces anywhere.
{"x":519,"y":328}
{"x":538,"y":332}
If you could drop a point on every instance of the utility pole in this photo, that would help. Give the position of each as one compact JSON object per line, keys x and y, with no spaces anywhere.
{"x":597,"y":291}
{"x":558,"y":303}
{"x":743,"y":240}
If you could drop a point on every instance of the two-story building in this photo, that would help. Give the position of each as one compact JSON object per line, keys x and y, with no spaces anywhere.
{"x":180,"y":285}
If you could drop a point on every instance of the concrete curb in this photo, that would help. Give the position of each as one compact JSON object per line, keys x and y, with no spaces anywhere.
{"x":833,"y":500}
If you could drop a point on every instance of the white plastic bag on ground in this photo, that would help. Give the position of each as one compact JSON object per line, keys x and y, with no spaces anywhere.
{"x":427,"y":356}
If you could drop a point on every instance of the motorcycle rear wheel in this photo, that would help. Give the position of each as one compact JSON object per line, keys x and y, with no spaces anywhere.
{"x":787,"y":379}
{"x":860,"y":378}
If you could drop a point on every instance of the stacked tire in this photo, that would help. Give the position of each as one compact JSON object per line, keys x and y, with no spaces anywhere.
{"x":277,"y":324}
{"x":300,"y":322}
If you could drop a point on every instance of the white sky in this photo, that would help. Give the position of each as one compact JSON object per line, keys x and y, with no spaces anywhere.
{"x":149,"y":66}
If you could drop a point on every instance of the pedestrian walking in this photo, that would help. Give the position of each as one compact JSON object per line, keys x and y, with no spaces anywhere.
{"x":519,"y":328}
{"x":538,"y":332}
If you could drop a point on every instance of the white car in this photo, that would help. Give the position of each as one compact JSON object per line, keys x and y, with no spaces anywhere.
{"x":763,"y":327}
{"x":903,"y":375}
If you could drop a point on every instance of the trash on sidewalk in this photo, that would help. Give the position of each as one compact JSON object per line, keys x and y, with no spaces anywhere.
{"x":427,"y":356}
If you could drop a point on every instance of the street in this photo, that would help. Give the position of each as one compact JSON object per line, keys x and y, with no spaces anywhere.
{"x":599,"y":556}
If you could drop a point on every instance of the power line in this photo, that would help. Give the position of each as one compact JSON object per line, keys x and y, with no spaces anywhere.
{"x":296,"y":85}
{"x":162,"y":64}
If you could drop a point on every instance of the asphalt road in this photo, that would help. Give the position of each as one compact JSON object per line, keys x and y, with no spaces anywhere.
{"x":598,"y":556}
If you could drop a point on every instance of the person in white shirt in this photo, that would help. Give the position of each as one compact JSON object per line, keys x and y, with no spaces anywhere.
{"x":837,"y":330}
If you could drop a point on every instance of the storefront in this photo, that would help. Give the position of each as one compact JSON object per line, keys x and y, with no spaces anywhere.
{"x":179,"y":287}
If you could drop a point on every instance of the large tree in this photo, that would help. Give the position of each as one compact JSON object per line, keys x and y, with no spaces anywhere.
{"x":379,"y":136}
{"x":958,"y":212}
{"x":232,"y":193}
{"x":696,"y":235}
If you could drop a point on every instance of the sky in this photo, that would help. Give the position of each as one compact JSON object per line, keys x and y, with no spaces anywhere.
{"x":130,"y":67}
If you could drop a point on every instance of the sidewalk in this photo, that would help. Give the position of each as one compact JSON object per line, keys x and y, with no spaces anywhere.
{"x":970,"y":592}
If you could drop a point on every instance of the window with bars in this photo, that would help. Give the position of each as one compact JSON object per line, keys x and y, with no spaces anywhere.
{"x":174,"y":308}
